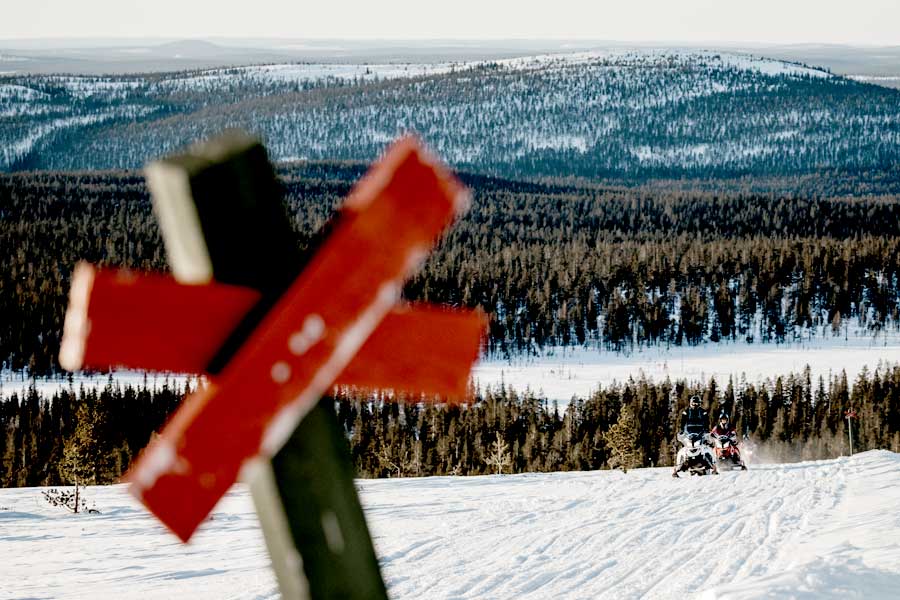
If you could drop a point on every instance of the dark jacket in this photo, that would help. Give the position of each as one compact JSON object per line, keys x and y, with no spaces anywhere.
{"x":695,"y":420}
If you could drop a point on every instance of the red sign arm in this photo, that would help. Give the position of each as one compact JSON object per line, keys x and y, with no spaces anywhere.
{"x":178,"y":328}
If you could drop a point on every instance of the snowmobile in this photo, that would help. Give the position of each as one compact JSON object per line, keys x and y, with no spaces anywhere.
{"x":695,"y":456}
{"x":727,"y":453}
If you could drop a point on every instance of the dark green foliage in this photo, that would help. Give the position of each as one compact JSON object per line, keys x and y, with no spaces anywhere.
{"x":623,"y":441}
{"x":552,"y":264}
{"x":626,"y":426}
{"x":84,"y":435}
{"x":81,"y":449}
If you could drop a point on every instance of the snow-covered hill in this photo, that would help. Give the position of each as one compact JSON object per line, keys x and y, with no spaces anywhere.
{"x":826,"y":529}
{"x":607,"y":114}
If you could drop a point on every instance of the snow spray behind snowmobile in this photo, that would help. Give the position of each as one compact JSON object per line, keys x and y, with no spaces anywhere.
{"x":695,"y":456}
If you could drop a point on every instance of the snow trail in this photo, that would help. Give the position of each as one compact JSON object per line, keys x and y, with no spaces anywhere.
{"x":824,"y":529}
{"x":603,"y":534}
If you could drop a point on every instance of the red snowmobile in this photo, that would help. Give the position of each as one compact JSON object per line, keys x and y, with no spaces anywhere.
{"x":728,"y":455}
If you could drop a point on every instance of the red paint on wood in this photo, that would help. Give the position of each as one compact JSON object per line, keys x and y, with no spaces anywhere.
{"x":390,"y":221}
{"x":168,"y":326}
{"x":419,"y":349}
{"x":149,"y":321}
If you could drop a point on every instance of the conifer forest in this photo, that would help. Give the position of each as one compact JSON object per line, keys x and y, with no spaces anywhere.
{"x":791,"y":418}
{"x":622,"y":201}
{"x":553,"y":264}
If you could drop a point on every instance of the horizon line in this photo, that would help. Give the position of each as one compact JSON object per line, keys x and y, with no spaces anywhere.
{"x":448,"y":39}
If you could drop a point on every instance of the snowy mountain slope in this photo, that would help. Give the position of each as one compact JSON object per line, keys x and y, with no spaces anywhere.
{"x":825,"y":529}
{"x":612,"y":114}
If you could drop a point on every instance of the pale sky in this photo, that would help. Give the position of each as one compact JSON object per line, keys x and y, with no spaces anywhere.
{"x":745,"y":21}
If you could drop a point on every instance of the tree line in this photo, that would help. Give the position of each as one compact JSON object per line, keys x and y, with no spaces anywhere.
{"x":626,"y":425}
{"x":552,"y":264}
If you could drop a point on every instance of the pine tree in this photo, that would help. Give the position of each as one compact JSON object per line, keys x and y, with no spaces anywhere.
{"x":79,"y":463}
{"x":499,"y":457}
{"x":622,"y":442}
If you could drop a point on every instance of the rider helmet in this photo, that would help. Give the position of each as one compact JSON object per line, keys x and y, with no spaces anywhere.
{"x":695,"y":401}
{"x":723,"y":418}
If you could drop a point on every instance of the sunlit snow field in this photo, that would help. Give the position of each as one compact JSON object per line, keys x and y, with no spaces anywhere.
{"x":563,"y":373}
{"x":827,"y":529}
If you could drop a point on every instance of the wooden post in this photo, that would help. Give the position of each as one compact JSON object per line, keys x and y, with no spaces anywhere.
{"x":850,"y":415}
{"x":274,"y":334}
{"x":242,"y":235}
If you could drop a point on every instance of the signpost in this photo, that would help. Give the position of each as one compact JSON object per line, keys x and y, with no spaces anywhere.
{"x":850,"y":414}
{"x":274,"y":330}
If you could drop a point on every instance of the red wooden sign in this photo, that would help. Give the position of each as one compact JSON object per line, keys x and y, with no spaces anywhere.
{"x":418,"y":348}
{"x":339,"y":322}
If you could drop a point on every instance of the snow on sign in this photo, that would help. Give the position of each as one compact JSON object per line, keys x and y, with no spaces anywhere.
{"x":273,"y":338}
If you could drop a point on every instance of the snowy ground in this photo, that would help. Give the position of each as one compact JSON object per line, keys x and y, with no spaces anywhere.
{"x":564,"y":373}
{"x":827,"y":529}
{"x":17,"y":383}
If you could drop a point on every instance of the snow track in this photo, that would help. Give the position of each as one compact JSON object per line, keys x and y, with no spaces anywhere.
{"x":826,"y":529}
{"x":636,"y":535}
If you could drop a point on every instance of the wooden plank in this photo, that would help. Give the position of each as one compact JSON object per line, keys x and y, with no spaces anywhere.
{"x":180,"y":328}
{"x":312,"y":482}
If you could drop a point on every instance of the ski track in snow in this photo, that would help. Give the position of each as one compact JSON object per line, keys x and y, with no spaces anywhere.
{"x":825,"y":529}
{"x":601,"y":535}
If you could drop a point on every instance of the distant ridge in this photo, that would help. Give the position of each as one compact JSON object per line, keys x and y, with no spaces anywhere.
{"x":623,"y":114}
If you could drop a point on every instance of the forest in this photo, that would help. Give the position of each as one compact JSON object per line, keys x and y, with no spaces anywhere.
{"x":629,"y":116}
{"x":786,"y":419}
{"x":552,"y":264}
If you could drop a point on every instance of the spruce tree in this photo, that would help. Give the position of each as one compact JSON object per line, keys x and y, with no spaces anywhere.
{"x":622,"y":442}
{"x":79,"y":463}
{"x":499,"y":457}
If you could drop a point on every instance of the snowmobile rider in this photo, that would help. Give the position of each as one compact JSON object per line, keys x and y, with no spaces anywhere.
{"x":695,"y":427}
{"x":695,"y":419}
{"x":728,"y":448}
{"x":723,"y":429}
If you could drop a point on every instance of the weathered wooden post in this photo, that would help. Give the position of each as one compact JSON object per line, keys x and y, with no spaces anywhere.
{"x":274,"y":330}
